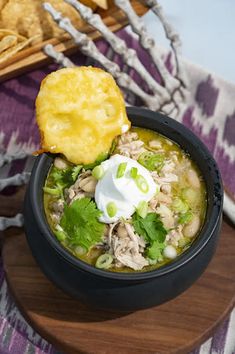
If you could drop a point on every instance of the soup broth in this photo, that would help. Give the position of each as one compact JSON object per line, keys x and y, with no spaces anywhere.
{"x":96,"y":211}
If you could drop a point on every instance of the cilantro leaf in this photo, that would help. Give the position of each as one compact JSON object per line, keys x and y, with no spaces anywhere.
{"x":61,"y":178}
{"x":75,"y":172}
{"x":81,"y":224}
{"x":150,"y":227}
{"x":155,"y":250}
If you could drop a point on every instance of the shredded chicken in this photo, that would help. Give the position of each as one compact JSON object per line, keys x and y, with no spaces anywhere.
{"x":166,"y":188}
{"x":77,"y":190}
{"x":127,"y":250}
{"x":57,"y":208}
{"x":174,"y":236}
{"x":167,"y":216}
{"x":167,"y":175}
{"x":128,"y":137}
{"x":130,"y":146}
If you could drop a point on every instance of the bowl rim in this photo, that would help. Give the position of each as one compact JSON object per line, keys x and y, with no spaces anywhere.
{"x":197,"y":246}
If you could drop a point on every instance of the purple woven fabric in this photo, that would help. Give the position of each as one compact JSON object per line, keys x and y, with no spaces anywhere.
{"x":211,"y":115}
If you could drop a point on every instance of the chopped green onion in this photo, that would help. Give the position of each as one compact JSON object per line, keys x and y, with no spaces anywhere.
{"x":121,"y":169}
{"x":52,"y":191}
{"x":142,"y":209}
{"x":98,"y":172}
{"x":157,"y":188}
{"x":185,"y":218}
{"x":111,"y":209}
{"x":104,"y":261}
{"x":151,"y":161}
{"x":134,"y":172}
{"x":142,"y":184}
{"x":61,"y":236}
{"x":179,"y":206}
{"x":79,"y":250}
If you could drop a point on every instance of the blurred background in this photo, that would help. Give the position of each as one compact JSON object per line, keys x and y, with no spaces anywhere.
{"x":206,"y":30}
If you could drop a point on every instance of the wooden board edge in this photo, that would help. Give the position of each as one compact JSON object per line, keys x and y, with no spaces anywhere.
{"x":64,"y":346}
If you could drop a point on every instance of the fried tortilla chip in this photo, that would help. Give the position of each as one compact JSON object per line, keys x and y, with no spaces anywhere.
{"x":7,"y":54}
{"x":28,"y":18}
{"x":7,"y":42}
{"x":79,"y":112}
{"x":6,"y":32}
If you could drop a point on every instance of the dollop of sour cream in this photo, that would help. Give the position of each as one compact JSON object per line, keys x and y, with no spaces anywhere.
{"x":122,"y":193}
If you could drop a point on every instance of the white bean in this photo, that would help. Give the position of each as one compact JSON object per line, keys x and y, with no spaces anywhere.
{"x":170,"y":252}
{"x":193,"y":178}
{"x":155,"y":144}
{"x":88,"y":184}
{"x":60,"y":163}
{"x":191,"y":229}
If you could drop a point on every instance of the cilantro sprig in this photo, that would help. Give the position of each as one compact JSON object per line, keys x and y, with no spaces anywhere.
{"x":80,"y":222}
{"x":60,"y":179}
{"x":153,"y":231}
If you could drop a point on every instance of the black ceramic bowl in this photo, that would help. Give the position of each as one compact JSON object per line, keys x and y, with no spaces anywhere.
{"x":127,"y":291}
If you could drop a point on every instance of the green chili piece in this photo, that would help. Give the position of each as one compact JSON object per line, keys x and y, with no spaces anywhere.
{"x":151,"y":161}
{"x":185,"y":217}
{"x":179,"y":206}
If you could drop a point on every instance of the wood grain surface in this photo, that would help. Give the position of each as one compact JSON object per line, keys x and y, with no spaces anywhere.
{"x":177,"y":326}
{"x":33,"y":57}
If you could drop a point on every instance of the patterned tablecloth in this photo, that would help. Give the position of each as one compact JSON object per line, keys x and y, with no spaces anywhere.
{"x":211,"y":115}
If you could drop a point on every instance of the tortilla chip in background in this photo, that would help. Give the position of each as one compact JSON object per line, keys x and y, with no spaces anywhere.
{"x":3,"y":3}
{"x":7,"y":42}
{"x":28,"y":18}
{"x":5,"y":32}
{"x":7,"y":54}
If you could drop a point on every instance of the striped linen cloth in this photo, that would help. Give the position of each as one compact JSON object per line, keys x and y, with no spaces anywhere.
{"x":211,"y":115}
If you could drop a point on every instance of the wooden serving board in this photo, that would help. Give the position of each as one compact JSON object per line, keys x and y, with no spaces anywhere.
{"x":177,"y":326}
{"x":33,"y":57}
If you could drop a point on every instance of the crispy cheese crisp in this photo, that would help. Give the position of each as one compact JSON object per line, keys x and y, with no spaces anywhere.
{"x":79,"y":112}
